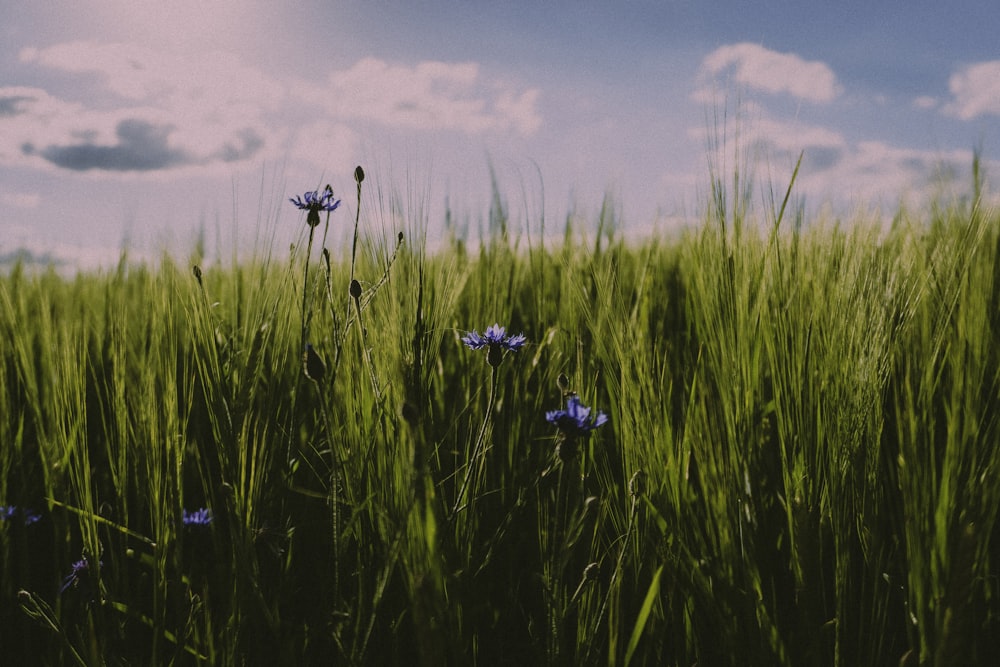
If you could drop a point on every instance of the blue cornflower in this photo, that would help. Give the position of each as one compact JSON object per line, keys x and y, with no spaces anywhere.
{"x":496,"y":341}
{"x":575,"y":421}
{"x":79,"y":577}
{"x":199,"y":518}
{"x":314,"y":202}
{"x":8,"y":512}
{"x":574,"y":424}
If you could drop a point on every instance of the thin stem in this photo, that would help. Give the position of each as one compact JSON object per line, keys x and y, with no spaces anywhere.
{"x":334,"y":487}
{"x":306,"y":315}
{"x":615,"y":574}
{"x":357,"y":218}
{"x":366,"y":353}
{"x":480,"y":440}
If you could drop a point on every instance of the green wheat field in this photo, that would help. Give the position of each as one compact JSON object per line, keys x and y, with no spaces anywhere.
{"x":298,"y":458}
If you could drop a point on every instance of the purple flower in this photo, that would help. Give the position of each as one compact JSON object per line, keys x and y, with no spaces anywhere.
{"x":314,"y":202}
{"x":79,"y":577}
{"x":199,"y":518}
{"x":496,"y":341}
{"x":575,"y":421}
{"x":8,"y":512}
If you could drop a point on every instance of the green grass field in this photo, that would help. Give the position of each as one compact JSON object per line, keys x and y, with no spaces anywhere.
{"x":801,"y":464}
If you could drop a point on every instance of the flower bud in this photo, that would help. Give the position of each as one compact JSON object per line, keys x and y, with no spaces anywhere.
{"x":312,"y":364}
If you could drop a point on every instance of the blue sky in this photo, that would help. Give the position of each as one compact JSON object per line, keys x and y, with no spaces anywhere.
{"x":139,"y":122}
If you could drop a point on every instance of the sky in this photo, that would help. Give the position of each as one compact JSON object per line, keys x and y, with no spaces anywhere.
{"x":144,"y":125}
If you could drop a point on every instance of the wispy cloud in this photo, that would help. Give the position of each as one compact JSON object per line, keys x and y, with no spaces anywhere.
{"x":210,"y":82}
{"x":430,"y":95}
{"x":975,"y":91}
{"x":768,"y":71}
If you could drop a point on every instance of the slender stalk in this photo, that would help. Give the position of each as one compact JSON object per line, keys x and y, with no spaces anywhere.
{"x":307,"y":314}
{"x":474,"y":464}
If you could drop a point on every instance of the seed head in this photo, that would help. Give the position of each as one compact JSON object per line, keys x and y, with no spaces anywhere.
{"x":637,"y":485}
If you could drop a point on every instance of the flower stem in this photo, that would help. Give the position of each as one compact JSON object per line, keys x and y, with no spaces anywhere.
{"x":306,"y":314}
{"x":474,"y":462}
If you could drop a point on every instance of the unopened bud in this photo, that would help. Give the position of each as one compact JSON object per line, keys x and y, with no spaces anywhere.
{"x":312,"y":364}
{"x":355,"y":289}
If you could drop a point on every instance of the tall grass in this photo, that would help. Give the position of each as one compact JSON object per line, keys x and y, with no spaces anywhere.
{"x":800,"y":465}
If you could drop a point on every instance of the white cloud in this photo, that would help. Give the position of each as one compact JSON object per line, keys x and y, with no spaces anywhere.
{"x":795,"y":136}
{"x":769,"y":71}
{"x":975,"y":90}
{"x":429,"y":96}
{"x":209,"y":82}
{"x":25,"y":200}
{"x":925,"y":102}
{"x":152,"y":111}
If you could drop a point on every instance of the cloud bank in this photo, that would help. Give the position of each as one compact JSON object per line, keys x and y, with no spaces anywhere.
{"x":154,"y":112}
